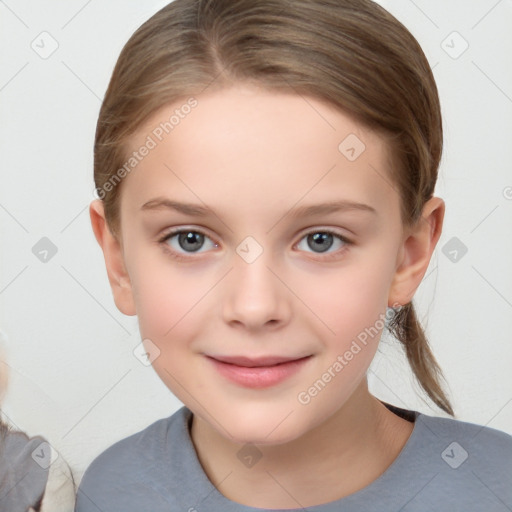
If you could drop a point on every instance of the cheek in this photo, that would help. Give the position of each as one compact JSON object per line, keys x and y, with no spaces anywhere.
{"x":351,"y":299}
{"x":164,"y":296}
{"x":172,"y":300}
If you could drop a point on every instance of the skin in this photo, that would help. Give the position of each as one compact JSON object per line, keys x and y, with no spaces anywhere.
{"x":252,"y":156}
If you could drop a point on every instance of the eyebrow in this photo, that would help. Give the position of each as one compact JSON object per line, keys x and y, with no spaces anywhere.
{"x":161,"y":203}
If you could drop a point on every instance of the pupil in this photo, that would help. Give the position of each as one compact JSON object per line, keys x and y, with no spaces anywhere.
{"x":323,"y":239}
{"x":191,"y":240}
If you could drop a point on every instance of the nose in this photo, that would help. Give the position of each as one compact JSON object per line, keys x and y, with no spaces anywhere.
{"x":255,"y":296}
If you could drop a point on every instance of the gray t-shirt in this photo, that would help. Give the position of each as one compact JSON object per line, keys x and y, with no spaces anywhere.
{"x":446,"y":465}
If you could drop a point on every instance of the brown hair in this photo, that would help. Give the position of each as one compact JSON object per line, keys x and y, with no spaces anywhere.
{"x":352,"y":54}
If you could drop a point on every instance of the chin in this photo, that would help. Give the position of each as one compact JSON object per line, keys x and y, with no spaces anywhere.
{"x":264,"y":425}
{"x":258,"y":435}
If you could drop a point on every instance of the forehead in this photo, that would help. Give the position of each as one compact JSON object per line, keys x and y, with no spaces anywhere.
{"x":250,"y":145}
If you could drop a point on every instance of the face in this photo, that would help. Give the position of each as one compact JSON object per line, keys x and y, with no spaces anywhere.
{"x":260,"y":256}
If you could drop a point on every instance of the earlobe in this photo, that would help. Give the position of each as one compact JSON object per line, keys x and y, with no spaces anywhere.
{"x":114,"y":259}
{"x":416,"y":252}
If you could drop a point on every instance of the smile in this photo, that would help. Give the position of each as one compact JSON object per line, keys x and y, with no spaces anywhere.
{"x":257,"y":372}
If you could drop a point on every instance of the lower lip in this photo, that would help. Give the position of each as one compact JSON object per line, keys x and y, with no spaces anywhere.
{"x":259,"y":376}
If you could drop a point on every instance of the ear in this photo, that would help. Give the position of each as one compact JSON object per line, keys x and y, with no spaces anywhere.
{"x":114,"y":259}
{"x":416,"y":252}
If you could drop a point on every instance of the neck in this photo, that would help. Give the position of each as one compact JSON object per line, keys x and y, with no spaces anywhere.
{"x":339,"y":457}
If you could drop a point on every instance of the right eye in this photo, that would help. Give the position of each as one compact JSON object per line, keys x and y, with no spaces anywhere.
{"x":180,"y":242}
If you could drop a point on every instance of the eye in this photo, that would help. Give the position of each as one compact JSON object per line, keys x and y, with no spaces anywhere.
{"x":181,"y":242}
{"x":184,"y":241}
{"x":321,"y":241}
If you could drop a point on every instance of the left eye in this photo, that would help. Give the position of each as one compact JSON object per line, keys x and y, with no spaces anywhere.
{"x":323,"y":241}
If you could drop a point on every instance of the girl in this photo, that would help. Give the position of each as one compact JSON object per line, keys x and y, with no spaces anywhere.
{"x":254,"y":132}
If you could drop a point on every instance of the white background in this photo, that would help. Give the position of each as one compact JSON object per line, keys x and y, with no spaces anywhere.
{"x":73,"y":377}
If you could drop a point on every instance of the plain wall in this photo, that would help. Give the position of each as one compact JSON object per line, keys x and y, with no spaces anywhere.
{"x":73,"y":376}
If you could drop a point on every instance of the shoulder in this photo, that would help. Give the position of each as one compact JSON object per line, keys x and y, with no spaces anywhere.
{"x":469,"y":465}
{"x":132,"y":468}
{"x":484,"y":444}
{"x":134,"y":452}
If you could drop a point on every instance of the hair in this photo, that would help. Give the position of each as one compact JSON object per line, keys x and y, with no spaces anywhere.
{"x":351,"y":54}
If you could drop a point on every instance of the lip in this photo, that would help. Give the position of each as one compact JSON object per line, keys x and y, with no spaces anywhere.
{"x":261,"y":372}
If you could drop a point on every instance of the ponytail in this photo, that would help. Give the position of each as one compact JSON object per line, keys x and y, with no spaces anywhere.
{"x":408,"y":331}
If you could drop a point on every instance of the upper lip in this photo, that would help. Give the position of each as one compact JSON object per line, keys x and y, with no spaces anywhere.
{"x":251,"y":362}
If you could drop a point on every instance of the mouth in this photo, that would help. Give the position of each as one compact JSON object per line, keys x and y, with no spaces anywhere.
{"x":260,"y":372}
{"x":257,"y":362}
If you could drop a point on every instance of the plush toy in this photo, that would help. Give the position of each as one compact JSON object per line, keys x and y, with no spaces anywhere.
{"x":33,"y":476}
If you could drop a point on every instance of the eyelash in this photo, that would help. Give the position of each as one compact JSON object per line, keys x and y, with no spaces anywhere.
{"x":179,"y":256}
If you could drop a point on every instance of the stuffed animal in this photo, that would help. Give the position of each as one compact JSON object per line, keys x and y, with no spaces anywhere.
{"x":33,"y":476}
